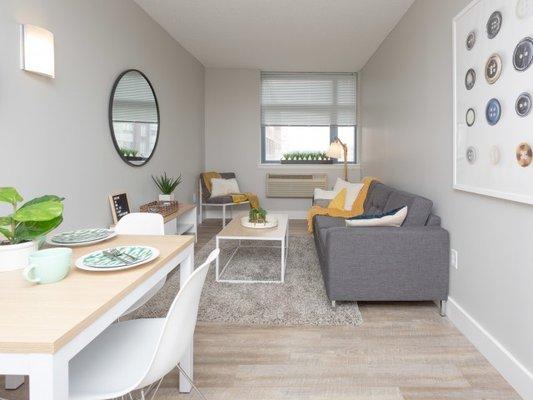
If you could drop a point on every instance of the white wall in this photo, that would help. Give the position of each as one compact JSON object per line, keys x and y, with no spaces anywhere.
{"x":233,"y":136}
{"x":407,"y":142}
{"x":54,"y":133}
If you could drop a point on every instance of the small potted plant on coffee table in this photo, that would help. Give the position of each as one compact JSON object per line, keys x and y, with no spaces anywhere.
{"x":257,"y":215}
{"x":21,"y":230}
{"x":166,"y":186}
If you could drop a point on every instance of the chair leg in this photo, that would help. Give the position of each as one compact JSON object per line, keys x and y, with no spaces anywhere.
{"x":333,"y":304}
{"x":223,"y":216}
{"x":191,"y":382}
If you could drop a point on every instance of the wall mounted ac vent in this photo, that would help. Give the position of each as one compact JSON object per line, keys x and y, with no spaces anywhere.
{"x":294,"y":185}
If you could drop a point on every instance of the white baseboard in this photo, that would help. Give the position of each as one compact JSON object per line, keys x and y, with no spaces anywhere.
{"x":511,"y":369}
{"x":211,"y":212}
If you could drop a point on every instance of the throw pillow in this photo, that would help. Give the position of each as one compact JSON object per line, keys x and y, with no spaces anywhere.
{"x":223,"y":187}
{"x":232,"y":186}
{"x":391,"y":218}
{"x":352,"y":190}
{"x":338,"y":201}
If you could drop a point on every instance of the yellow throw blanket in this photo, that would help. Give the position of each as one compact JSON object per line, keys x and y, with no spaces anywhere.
{"x":235,"y":197}
{"x":357,"y":207}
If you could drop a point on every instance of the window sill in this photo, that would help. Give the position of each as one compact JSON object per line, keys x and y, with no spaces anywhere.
{"x":308,"y":166}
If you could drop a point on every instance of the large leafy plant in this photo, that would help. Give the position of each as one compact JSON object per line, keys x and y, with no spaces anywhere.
{"x":165,"y":184}
{"x":32,"y":220}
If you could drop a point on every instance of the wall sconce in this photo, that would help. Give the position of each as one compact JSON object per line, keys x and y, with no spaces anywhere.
{"x":37,"y":50}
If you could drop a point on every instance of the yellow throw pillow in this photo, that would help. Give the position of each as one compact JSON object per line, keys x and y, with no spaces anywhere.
{"x":338,"y":201}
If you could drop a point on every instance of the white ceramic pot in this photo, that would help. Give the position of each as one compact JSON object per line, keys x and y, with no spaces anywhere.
{"x":15,"y":256}
{"x":166,"y":197}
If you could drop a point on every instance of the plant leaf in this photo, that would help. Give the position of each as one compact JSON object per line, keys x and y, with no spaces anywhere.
{"x":39,"y":211}
{"x":5,"y":221}
{"x":33,"y":229}
{"x":6,"y":233}
{"x":10,"y":195}
{"x":42,"y":199}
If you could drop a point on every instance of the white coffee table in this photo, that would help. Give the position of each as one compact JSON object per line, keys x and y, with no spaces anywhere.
{"x":235,"y":231}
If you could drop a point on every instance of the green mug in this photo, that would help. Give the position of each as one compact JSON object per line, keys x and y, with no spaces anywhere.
{"x":48,"y":266}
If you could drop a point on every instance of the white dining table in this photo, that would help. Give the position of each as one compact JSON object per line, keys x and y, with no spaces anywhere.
{"x":42,"y":327}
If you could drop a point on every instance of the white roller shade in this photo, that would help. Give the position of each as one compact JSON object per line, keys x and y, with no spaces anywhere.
{"x":134,"y":100}
{"x":302,"y":99}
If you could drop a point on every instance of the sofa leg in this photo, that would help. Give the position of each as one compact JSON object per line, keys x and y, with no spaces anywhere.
{"x":333,"y":303}
{"x":442,"y":308}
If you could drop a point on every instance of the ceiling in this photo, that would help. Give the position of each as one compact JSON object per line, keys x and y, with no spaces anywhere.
{"x":279,"y":35}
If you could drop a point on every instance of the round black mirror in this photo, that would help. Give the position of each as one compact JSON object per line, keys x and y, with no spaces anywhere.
{"x":134,"y":117}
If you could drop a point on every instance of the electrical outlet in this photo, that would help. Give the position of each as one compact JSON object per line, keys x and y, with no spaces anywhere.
{"x":454,"y":259}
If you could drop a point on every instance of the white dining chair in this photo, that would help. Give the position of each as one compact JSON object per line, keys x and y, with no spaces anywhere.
{"x":142,"y":224}
{"x":137,"y":354}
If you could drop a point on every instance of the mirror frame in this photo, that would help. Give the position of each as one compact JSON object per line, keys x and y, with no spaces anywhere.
{"x":110,"y":117}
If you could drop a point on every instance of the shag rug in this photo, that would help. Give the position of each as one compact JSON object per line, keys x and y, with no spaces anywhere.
{"x":301,"y":300}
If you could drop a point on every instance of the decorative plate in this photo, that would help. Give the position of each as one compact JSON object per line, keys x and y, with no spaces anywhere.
{"x":471,"y":40}
{"x":524,"y":154}
{"x":523,"y":104}
{"x":493,"y":68}
{"x":494,"y":24}
{"x":523,"y":54}
{"x":493,"y":111}
{"x":271,"y":222}
{"x":470,"y":79}
{"x":523,"y":9}
{"x":471,"y":154}
{"x":81,"y":237}
{"x":494,"y":155}
{"x":470,"y":117}
{"x":126,"y":257}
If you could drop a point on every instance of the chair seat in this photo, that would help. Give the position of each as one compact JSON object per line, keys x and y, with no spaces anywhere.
{"x":219,"y":200}
{"x":115,"y":361}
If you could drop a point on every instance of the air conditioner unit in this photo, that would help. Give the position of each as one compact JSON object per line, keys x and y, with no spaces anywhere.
{"x":294,"y":185}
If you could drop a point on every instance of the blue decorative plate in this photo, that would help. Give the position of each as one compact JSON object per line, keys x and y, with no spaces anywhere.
{"x":81,"y":236}
{"x":117,"y":258}
{"x":493,"y":111}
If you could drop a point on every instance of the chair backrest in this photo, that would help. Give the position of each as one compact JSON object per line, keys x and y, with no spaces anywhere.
{"x":141,"y":224}
{"x":178,"y":329}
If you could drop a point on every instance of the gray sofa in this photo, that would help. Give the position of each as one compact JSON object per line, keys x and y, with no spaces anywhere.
{"x":410,"y":263}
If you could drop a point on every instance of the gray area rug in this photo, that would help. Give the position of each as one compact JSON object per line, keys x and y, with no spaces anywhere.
{"x":301,"y":300}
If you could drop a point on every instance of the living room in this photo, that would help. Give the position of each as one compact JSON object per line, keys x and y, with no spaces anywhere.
{"x":323,"y":201}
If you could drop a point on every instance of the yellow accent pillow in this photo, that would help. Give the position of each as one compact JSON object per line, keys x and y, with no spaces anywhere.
{"x":338,"y":201}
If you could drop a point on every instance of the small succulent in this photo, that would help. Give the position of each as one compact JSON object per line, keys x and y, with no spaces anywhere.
{"x":257,"y":215}
{"x":165,"y":184}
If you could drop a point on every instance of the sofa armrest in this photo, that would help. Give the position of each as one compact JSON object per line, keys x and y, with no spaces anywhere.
{"x":387,"y":263}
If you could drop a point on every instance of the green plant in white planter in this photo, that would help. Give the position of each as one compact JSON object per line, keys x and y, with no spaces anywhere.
{"x":25,"y":225}
{"x":166,"y":186}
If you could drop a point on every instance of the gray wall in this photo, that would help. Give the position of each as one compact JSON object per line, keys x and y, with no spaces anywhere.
{"x":407,"y":142}
{"x":233,"y":136}
{"x":54,"y":133}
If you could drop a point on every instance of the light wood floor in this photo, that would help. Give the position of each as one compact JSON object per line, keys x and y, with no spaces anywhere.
{"x":402,"y":351}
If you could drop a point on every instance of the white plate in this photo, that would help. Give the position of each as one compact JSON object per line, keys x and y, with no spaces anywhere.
{"x":271,"y":222}
{"x":52,"y":243}
{"x":79,"y":262}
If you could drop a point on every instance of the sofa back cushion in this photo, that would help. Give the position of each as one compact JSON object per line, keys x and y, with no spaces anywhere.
{"x":419,"y":208}
{"x":377,"y":198}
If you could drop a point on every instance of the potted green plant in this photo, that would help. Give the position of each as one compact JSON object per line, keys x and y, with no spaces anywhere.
{"x":297,"y":157}
{"x":257,"y":215}
{"x":22,"y":229}
{"x":166,"y":186}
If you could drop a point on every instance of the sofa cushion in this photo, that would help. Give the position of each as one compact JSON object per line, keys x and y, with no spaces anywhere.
{"x":419,"y":207}
{"x":322,"y":223}
{"x":377,"y":198}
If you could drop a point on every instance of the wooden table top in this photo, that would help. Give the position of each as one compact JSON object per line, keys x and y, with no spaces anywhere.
{"x":43,"y":318}
{"x":234,"y":229}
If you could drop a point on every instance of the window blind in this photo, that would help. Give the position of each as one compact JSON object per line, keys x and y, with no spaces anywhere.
{"x":134,"y":100}
{"x":307,"y":99}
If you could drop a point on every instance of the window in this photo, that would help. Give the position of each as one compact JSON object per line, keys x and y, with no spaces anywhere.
{"x":305,"y":112}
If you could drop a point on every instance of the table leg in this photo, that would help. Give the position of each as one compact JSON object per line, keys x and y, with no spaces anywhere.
{"x":217,"y":262}
{"x":186,"y":269}
{"x":49,"y":378}
{"x":283,"y":260}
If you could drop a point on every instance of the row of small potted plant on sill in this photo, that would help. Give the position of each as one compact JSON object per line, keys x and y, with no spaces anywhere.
{"x":302,"y":157}
{"x":131,"y":154}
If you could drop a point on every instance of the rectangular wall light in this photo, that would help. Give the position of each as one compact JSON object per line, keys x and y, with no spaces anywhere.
{"x":37,"y":50}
